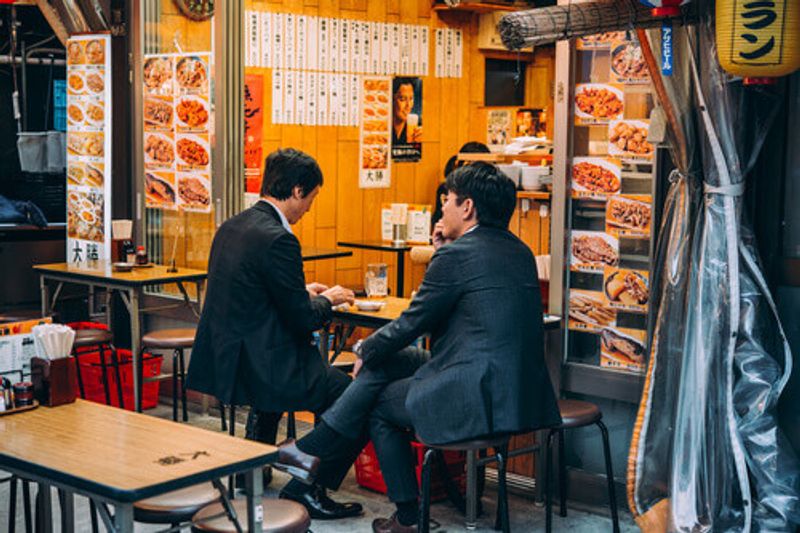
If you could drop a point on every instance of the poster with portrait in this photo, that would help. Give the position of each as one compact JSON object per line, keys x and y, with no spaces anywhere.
{"x":406,"y":119}
{"x":526,"y":123}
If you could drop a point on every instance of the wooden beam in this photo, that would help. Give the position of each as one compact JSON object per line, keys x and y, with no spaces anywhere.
{"x":53,"y":19}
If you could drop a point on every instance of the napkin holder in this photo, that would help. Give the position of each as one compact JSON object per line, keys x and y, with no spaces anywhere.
{"x":53,"y":380}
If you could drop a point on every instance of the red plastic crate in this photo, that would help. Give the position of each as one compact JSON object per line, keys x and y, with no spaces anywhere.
{"x":92,"y":376}
{"x":369,"y":476}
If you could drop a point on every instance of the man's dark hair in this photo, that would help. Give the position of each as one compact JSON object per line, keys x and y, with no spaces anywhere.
{"x":398,"y":82}
{"x":492,"y":192}
{"x":287,"y":168}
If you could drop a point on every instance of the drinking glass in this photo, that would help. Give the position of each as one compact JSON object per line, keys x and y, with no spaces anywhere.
{"x":376,"y":280}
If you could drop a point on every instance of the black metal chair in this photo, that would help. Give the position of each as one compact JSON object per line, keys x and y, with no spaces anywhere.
{"x":176,"y":340}
{"x":575,"y":414}
{"x":500,"y":445}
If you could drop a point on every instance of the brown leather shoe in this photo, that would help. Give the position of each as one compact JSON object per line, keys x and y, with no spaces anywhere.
{"x":391,"y":525}
{"x":298,"y":464}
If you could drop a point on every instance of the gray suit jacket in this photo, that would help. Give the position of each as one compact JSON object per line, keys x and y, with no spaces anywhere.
{"x":480,"y":301}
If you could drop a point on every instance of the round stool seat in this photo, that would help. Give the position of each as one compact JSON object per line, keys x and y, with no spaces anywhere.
{"x":92,"y":337}
{"x":575,"y":413}
{"x":174,"y":507}
{"x":280,"y":516}
{"x":169,"y":338}
{"x":474,"y":444}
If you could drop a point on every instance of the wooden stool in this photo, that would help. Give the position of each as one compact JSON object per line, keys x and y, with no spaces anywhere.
{"x":500,"y":445}
{"x":175,"y":507}
{"x":576,"y":414}
{"x":280,"y":516}
{"x":102,"y":339}
{"x":176,"y":340}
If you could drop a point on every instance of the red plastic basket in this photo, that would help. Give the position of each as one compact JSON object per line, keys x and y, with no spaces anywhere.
{"x":369,"y":476}
{"x":92,"y":373}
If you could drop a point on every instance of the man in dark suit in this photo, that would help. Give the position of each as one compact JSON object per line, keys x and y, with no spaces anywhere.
{"x":254,"y":341}
{"x":485,"y":373}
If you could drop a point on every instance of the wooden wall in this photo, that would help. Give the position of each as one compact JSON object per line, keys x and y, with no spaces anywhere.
{"x":452,"y":114}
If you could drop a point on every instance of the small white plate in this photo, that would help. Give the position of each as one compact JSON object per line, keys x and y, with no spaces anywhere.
{"x":369,"y":305}
{"x":122,"y":267}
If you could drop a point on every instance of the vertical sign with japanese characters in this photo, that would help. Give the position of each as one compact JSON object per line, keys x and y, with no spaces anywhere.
{"x":375,"y":160}
{"x":253,"y":129}
{"x":88,"y":148}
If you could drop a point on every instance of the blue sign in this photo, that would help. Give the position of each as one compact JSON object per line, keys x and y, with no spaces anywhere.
{"x":666,"y":47}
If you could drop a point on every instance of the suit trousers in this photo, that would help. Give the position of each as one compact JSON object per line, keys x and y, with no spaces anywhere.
{"x":262,"y":426}
{"x":373,"y":406}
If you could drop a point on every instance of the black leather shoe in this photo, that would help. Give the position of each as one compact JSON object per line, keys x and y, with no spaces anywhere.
{"x":266,"y":477}
{"x":296,"y":463}
{"x":322,"y":507}
{"x":391,"y":525}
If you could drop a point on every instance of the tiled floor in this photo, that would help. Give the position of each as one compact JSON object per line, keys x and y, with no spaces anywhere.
{"x":525,"y":515}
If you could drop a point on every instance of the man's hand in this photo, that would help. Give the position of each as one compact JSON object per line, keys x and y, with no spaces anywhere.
{"x":357,"y":367}
{"x":315,"y":289}
{"x":339,"y":295}
{"x":438,"y":237}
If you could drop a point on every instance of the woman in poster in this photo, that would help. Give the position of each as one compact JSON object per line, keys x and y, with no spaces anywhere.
{"x":406,"y":119}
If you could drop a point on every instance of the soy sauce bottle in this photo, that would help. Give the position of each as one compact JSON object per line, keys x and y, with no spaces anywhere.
{"x":141,"y":256}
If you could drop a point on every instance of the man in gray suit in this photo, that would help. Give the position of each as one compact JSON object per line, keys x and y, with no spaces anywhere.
{"x":485,"y":373}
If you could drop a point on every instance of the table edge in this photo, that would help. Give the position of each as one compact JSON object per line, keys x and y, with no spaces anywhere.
{"x":86,"y":486}
{"x":75,"y":276}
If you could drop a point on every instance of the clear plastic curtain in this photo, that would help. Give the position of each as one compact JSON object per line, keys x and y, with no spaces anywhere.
{"x":707,"y":454}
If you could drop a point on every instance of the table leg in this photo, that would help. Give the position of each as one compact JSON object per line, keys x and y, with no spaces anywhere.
{"x":472,"y":489}
{"x":45,"y":500}
{"x":45,"y":295}
{"x":67,"y":511}
{"x":123,"y":518}
{"x":324,"y":335}
{"x":136,"y":356}
{"x":401,"y":273}
{"x":201,"y":285}
{"x":255,"y":509}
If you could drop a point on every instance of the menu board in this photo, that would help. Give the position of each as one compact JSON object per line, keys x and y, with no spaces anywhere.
{"x":627,"y":62}
{"x":598,"y":103}
{"x":17,"y":345}
{"x":589,"y":311}
{"x":304,"y":42}
{"x":88,"y":148}
{"x":374,"y":149}
{"x":177,"y":124}
{"x":596,"y":177}
{"x":627,"y":139}
{"x":629,"y":215}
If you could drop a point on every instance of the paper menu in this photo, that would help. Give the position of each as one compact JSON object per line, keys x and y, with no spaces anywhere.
{"x":448,"y":53}
{"x":265,"y":38}
{"x":626,"y":290}
{"x":277,"y":96}
{"x":333,"y":42}
{"x":629,"y":215}
{"x":439,"y":53}
{"x":366,"y":47}
{"x":394,"y":40}
{"x":596,"y":177}
{"x":386,"y":49}
{"x":89,"y":137}
{"x":589,"y":311}
{"x":417,"y":221}
{"x":323,"y":45}
{"x":405,"y":49}
{"x":289,"y":34}
{"x":413,"y":67}
{"x":375,"y":120}
{"x":311,"y":98}
{"x":352,"y":106}
{"x":252,"y":52}
{"x":592,"y":251}
{"x":333,"y":99}
{"x":375,"y":47}
{"x":458,"y":54}
{"x":344,"y":45}
{"x":300,"y":97}
{"x":277,"y":41}
{"x":355,"y":46}
{"x":301,"y":42}
{"x":623,"y":348}
{"x":424,"y":52}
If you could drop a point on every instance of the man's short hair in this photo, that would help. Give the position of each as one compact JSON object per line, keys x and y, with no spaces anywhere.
{"x":492,"y":192}
{"x":285,"y":169}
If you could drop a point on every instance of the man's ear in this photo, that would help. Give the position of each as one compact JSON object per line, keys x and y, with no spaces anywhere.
{"x":297,"y":192}
{"x":469,"y":209}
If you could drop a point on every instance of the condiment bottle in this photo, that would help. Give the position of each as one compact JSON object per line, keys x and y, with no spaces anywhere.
{"x":141,"y":256}
{"x":128,"y":252}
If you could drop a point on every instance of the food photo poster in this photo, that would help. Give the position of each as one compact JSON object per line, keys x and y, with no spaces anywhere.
{"x":177,"y":128}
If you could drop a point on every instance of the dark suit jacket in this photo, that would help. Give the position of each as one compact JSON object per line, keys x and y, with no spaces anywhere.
{"x":480,"y":301}
{"x":254,"y":344}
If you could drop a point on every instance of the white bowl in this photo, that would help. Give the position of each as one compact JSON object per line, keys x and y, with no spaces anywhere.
{"x":532,"y":177}
{"x":512,"y":171}
{"x":369,"y":305}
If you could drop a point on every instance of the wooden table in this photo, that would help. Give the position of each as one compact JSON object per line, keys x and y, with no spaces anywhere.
{"x":382,"y":246}
{"x":310,"y":253}
{"x":117,"y":457}
{"x":129,"y":285}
